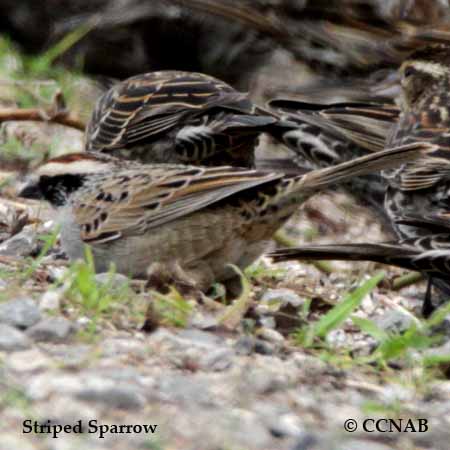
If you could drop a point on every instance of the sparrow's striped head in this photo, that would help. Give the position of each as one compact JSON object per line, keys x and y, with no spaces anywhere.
{"x":57,"y":178}
{"x":424,"y":71}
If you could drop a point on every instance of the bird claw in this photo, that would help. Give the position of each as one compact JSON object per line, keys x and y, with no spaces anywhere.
{"x":160,"y":277}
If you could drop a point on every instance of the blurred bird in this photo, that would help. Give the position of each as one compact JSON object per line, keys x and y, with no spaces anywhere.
{"x":331,"y":134}
{"x":422,"y":188}
{"x":347,"y":38}
{"x":179,"y":117}
{"x":230,"y":39}
{"x":380,"y":86}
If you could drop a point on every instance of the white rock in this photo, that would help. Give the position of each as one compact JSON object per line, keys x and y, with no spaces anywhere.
{"x":50,"y":300}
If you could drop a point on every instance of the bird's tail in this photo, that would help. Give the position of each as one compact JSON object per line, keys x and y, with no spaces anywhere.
{"x":364,"y":165}
{"x":435,"y":263}
{"x":396,"y":254}
{"x":365,"y":125}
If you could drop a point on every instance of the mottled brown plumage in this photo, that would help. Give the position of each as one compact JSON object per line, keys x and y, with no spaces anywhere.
{"x":191,"y":219}
{"x":331,"y":134}
{"x":417,"y":199}
{"x":422,"y":188}
{"x":177,"y":117}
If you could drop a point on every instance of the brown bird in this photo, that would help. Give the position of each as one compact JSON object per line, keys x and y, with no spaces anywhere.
{"x":188,"y":221}
{"x":331,"y":134}
{"x":328,"y":134}
{"x":179,"y":117}
{"x":229,"y":39}
{"x":420,"y":189}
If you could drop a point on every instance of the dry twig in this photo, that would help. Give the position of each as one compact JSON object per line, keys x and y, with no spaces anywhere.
{"x":57,"y":113}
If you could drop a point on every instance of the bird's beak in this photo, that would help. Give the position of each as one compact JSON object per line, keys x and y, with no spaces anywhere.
{"x":30,"y":190}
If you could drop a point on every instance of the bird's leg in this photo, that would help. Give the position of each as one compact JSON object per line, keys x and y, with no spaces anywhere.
{"x":159,"y":278}
{"x":233,"y":287}
{"x":188,"y":282}
{"x":427,"y":306}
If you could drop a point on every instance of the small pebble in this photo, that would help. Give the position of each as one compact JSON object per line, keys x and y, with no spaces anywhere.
{"x":394,"y":321}
{"x":50,"y":301}
{"x":270,"y":335}
{"x":336,"y":338}
{"x":307,"y":441}
{"x":217,"y":360}
{"x":12,"y":339}
{"x":264,"y":348}
{"x":51,"y":329}
{"x":20,"y":245}
{"x":283,"y":296}
{"x":287,"y":425}
{"x":120,"y":397}
{"x":244,"y":345}
{"x":21,"y":313}
{"x":113,"y":280}
{"x":27,"y":361}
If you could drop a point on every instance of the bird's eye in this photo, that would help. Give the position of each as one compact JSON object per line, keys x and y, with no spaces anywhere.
{"x":408,"y":72}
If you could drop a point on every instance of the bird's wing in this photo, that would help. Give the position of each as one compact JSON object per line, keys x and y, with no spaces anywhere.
{"x":143,"y":107}
{"x":131,"y":202}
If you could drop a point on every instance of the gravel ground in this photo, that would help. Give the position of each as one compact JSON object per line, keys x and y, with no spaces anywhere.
{"x":203,"y":389}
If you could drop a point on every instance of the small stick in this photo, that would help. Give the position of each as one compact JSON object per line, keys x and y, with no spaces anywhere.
{"x":38,"y":115}
{"x":407,"y":280}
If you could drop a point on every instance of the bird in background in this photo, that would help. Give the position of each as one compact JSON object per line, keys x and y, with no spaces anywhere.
{"x":180,"y":118}
{"x":186,"y":221}
{"x":230,"y":39}
{"x":417,"y":190}
{"x":331,"y":134}
{"x":422,"y":188}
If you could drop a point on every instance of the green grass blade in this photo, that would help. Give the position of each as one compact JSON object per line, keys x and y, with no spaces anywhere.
{"x":49,"y":242}
{"x":172,"y":308}
{"x":438,"y":316}
{"x":339,"y":313}
{"x":235,"y":312}
{"x":43,"y":62}
{"x":369,"y":327}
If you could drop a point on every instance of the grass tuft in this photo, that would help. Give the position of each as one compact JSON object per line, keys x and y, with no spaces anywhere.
{"x":317,"y":331}
{"x":93,"y":299}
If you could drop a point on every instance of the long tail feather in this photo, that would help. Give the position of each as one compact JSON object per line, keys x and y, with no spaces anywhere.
{"x":434,"y":262}
{"x":381,"y":253}
{"x":365,"y":165}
